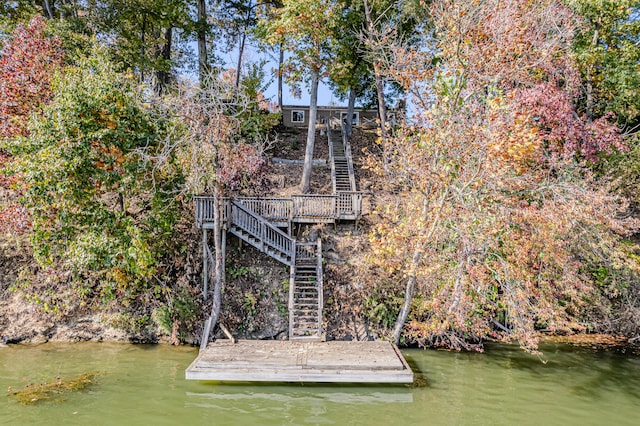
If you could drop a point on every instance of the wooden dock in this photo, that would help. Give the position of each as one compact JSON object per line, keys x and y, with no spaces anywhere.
{"x":296,"y":361}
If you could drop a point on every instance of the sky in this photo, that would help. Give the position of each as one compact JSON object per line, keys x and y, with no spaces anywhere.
{"x":325,"y":96}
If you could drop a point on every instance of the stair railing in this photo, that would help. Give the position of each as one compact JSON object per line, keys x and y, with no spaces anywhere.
{"x":320,"y":287}
{"x":205,"y":206}
{"x":331,"y":159}
{"x":276,"y":209}
{"x":310,"y":206}
{"x":267,"y":235}
{"x":347,"y":153}
{"x":292,"y":289}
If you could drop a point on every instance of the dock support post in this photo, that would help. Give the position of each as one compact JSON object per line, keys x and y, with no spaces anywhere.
{"x":205,"y":266}
{"x":223,"y":237}
{"x":205,"y":334}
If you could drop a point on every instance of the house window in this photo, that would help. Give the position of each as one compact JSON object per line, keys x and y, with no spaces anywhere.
{"x":297,"y":116}
{"x":355,"y":120}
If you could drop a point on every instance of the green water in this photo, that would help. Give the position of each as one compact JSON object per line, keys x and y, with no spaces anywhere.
{"x":144,"y":385}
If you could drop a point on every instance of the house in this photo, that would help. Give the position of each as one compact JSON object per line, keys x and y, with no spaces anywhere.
{"x":298,"y":116}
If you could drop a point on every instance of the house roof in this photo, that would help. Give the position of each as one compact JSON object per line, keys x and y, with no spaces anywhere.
{"x":325,"y":108}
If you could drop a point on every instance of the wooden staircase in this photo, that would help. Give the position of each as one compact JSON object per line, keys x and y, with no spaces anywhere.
{"x":305,"y":296}
{"x":342,"y":180}
{"x":348,"y":199}
{"x":304,"y":259}
{"x":257,"y":231}
{"x":257,"y":221}
{"x":342,"y":173}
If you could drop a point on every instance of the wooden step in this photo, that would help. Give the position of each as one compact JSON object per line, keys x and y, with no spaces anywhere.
{"x":307,"y":319}
{"x":303,"y":332}
{"x":306,"y":301}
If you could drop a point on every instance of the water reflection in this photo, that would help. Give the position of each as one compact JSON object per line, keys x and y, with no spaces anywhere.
{"x":315,"y":404}
{"x":357,"y":396}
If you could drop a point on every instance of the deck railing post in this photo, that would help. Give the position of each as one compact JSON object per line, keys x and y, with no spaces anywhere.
{"x":196,"y":201}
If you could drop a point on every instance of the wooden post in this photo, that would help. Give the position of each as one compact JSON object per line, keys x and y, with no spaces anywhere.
{"x":224,"y":249}
{"x":205,"y":334}
{"x":205,"y":269}
{"x":227,"y":333}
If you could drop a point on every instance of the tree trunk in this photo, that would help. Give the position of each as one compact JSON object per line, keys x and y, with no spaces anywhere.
{"x":242,"y":43}
{"x":203,"y":65}
{"x":48,"y":7}
{"x":350,"y":109}
{"x":280,"y":64}
{"x":311,"y":133}
{"x":415,"y":263}
{"x":219,"y":273}
{"x":121,"y":203}
{"x":240,"y":53}
{"x":382,"y":108}
{"x":143,"y":29}
{"x":404,"y":311}
{"x":589,"y":79}
{"x":162,"y":76}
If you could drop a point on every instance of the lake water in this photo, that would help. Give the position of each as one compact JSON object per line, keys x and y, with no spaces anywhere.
{"x":144,"y":385}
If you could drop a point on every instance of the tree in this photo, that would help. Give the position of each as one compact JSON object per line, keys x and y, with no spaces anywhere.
{"x":492,"y":227}
{"x":607,"y":54}
{"x":101,"y":216}
{"x":27,"y":64}
{"x":373,"y":44}
{"x":268,"y":11}
{"x":386,"y":21}
{"x":202,"y":29}
{"x":304,"y":28}
{"x":14,"y":13}
{"x":207,"y":152}
{"x":350,"y":74}
{"x":240,"y":19}
{"x":141,"y":35}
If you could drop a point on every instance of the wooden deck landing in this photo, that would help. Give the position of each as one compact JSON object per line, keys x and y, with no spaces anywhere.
{"x":291,"y":361}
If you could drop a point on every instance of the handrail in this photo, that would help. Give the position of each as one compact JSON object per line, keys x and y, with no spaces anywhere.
{"x":331,"y":156}
{"x":347,"y":151}
{"x":263,"y":231}
{"x":292,"y":287}
{"x":268,"y":208}
{"x":349,"y":203}
{"x":314,"y":206}
{"x":305,"y":250}
{"x":204,"y":206}
{"x":298,"y":207}
{"x":320,"y":288}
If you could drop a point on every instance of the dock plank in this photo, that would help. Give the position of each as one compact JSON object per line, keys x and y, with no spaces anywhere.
{"x":291,"y":361}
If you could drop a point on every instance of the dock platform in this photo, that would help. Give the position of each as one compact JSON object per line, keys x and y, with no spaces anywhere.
{"x":299,"y":361}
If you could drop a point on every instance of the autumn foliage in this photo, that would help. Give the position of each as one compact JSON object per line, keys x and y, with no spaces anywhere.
{"x":27,"y":64}
{"x":496,"y":225}
{"x":28,"y":61}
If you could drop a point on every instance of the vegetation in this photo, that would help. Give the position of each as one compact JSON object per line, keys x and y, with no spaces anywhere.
{"x":510,"y":192}
{"x":36,"y":392}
